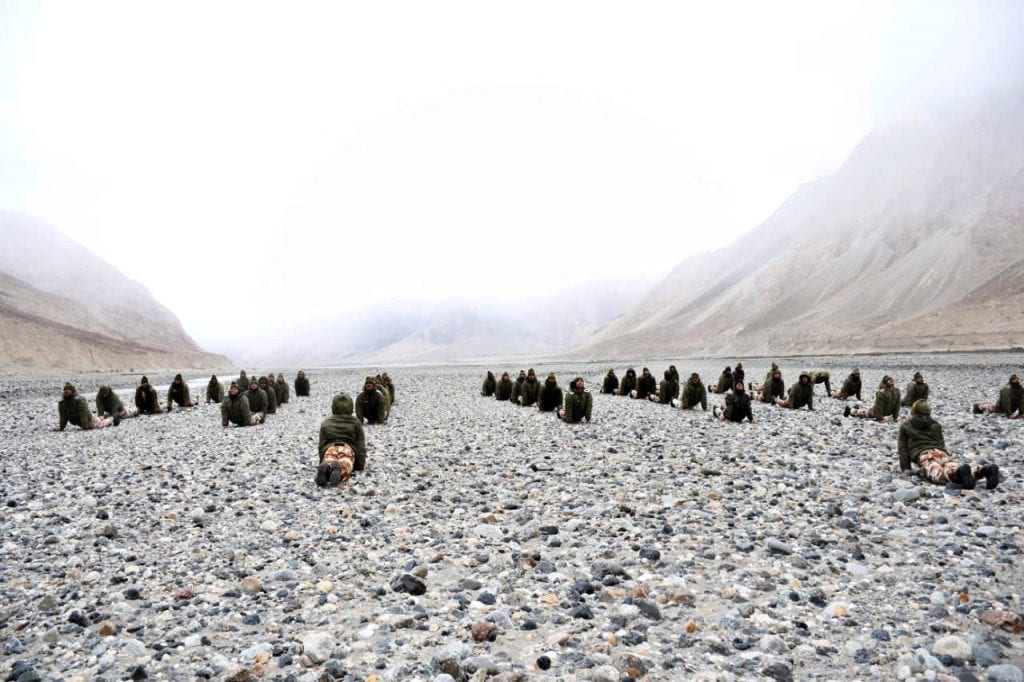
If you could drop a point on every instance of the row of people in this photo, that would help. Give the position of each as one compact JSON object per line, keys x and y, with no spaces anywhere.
{"x":573,"y":406}
{"x":110,"y":410}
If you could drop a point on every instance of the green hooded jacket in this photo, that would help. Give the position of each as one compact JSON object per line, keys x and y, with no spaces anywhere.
{"x":694,"y":393}
{"x":802,"y":394}
{"x":725,"y":382}
{"x":773,"y":388}
{"x":1011,"y":400}
{"x":371,"y":406}
{"x":646,"y":384}
{"x":178,"y":394}
{"x":530,"y":391}
{"x":887,"y":402}
{"x":628,"y":382}
{"x":517,"y":387}
{"x":503,"y":391}
{"x":851,"y":386}
{"x":236,"y":410}
{"x":74,"y":410}
{"x":578,"y":406}
{"x":301,"y":385}
{"x":214,"y":391}
{"x":107,"y":402}
{"x":668,"y":389}
{"x":257,"y":400}
{"x":611,"y":383}
{"x":915,"y":392}
{"x":148,"y":402}
{"x":342,"y":427}
{"x":917,"y":434}
{"x":489,"y":386}
{"x":281,"y":391}
{"x":271,"y":395}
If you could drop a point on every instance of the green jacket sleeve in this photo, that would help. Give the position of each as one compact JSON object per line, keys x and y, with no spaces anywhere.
{"x":84,"y":415}
{"x":703,"y":398}
{"x":244,"y":409}
{"x":224,"y":413}
{"x":589,"y":405}
{"x":63,"y":415}
{"x":322,"y":444}
{"x":359,"y":408}
{"x":903,"y":449}
{"x":360,"y":441}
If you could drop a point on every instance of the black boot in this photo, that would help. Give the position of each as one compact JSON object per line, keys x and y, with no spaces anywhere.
{"x":965,"y":477}
{"x":323,"y":472}
{"x":977,"y":409}
{"x":846,"y":412}
{"x":990,"y":472}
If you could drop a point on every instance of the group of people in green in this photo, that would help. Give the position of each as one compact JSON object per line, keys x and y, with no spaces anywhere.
{"x":573,"y":406}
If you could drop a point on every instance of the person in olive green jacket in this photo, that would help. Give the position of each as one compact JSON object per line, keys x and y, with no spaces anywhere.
{"x":235,"y":408}
{"x":74,"y":409}
{"x":822,"y":376}
{"x":767,"y":377}
{"x":243,"y":380}
{"x":178,"y":394}
{"x":628,"y":384}
{"x":503,"y":391}
{"x":800,"y":394}
{"x":490,"y":385}
{"x":921,"y":442}
{"x":390,"y":385}
{"x":257,"y":398}
{"x":370,"y":404}
{"x":725,"y":382}
{"x":646,"y":384}
{"x":772,"y":390}
{"x":887,"y":403}
{"x":531,"y":389}
{"x":668,"y":390}
{"x":1010,"y":403}
{"x":694,"y":394}
{"x":269,"y":392}
{"x":301,"y":385}
{"x":214,"y":390}
{"x":281,"y":387}
{"x":146,"y":399}
{"x":549,"y":398}
{"x":851,"y":386}
{"x":342,"y":444}
{"x":916,"y":390}
{"x":611,"y":383}
{"x":517,"y":387}
{"x":108,"y":403}
{"x":578,"y":404}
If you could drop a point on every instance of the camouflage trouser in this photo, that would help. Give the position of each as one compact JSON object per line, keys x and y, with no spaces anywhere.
{"x":938,"y":466}
{"x":342,"y":456}
{"x":128,"y":413}
{"x":100,"y":423}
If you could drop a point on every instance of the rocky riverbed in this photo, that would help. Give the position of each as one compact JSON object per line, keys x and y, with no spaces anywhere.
{"x":486,"y":540}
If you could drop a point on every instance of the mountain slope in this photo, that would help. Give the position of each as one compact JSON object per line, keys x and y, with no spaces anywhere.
{"x":915,"y":243}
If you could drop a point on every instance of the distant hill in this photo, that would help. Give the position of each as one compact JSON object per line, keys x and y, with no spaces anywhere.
{"x":915,"y":244}
{"x":64,"y":308}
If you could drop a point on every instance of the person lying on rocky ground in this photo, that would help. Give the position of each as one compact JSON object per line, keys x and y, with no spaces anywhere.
{"x":235,"y":408}
{"x":74,"y":409}
{"x":694,"y":394}
{"x":772,"y":390}
{"x":800,"y":394}
{"x":385,"y":393}
{"x":517,"y":387}
{"x":503,"y":391}
{"x":628,"y":384}
{"x":737,"y":406}
{"x":531,"y":389}
{"x":178,"y":394}
{"x":146,"y":399}
{"x":887,"y":403}
{"x":214,"y":390}
{"x":370,"y":404}
{"x":301,"y":385}
{"x":851,"y":386}
{"x":646,"y":384}
{"x":578,"y":404}
{"x":754,"y":388}
{"x":1010,"y":403}
{"x":108,"y":404}
{"x":920,"y":442}
{"x":724,"y":382}
{"x":916,"y":390}
{"x":822,"y":377}
{"x":281,"y":387}
{"x":269,"y":392}
{"x":611,"y":383}
{"x":342,"y":445}
{"x":549,"y":399}
{"x":490,"y":385}
{"x":257,"y":398}
{"x":668,"y":390}
{"x":738,"y":374}
{"x":390,"y":385}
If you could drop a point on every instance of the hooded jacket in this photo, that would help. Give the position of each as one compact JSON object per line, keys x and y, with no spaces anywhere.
{"x":270,"y":393}
{"x":915,"y":392}
{"x":738,"y":374}
{"x":917,"y":434}
{"x":802,"y":394}
{"x":851,"y":386}
{"x":178,"y":393}
{"x":725,"y":382}
{"x":257,"y":400}
{"x":301,"y":385}
{"x":578,"y":406}
{"x":668,"y":389}
{"x":370,"y":405}
{"x":281,"y":390}
{"x":694,"y":393}
{"x":517,"y":387}
{"x":611,"y":382}
{"x":146,"y":398}
{"x":74,"y":410}
{"x":214,"y":391}
{"x":773,"y":388}
{"x":628,"y":382}
{"x":646,"y":384}
{"x":236,"y":410}
{"x":107,"y":402}
{"x":549,"y":397}
{"x":530,"y":390}
{"x":390,"y":385}
{"x":737,"y":406}
{"x":1011,"y":399}
{"x":887,"y":402}
{"x":503,"y":391}
{"x":342,"y":427}
{"x":490,"y":384}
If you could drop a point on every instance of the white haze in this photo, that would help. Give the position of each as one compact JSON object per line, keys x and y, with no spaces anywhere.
{"x":260,"y":164}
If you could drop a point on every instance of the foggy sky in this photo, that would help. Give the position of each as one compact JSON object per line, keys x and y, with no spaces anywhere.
{"x":322,"y":157}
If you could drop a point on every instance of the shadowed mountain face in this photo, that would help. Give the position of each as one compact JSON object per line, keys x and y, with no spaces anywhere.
{"x":64,"y":308}
{"x":915,"y":243}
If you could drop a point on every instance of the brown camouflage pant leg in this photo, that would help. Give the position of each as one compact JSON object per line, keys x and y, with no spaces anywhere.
{"x":940,"y":467}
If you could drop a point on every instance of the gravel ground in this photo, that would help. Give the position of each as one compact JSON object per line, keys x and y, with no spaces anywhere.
{"x":490,"y":540}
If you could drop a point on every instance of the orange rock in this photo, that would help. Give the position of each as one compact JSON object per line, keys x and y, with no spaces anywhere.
{"x":691,"y":627}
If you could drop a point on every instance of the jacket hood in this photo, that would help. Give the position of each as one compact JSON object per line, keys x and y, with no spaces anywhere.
{"x":213,"y":379}
{"x":104,"y":390}
{"x":804,"y":374}
{"x":145,"y":380}
{"x":881,"y":384}
{"x":341,"y":404}
{"x":262,"y":382}
{"x":71,"y":386}
{"x":921,"y":407}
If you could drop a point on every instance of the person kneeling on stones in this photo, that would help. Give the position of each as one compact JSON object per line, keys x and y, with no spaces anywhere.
{"x":490,"y":385}
{"x":628,"y":384}
{"x":109,"y":404}
{"x":530,"y":390}
{"x":920,"y":441}
{"x":694,"y":394}
{"x":801,"y":393}
{"x":668,"y":390}
{"x":887,"y":403}
{"x":737,"y":406}
{"x":281,"y":388}
{"x":611,"y":383}
{"x":822,"y":377}
{"x":146,"y":399}
{"x":549,"y":398}
{"x":916,"y":390}
{"x":268,"y":391}
{"x":235,"y":408}
{"x":1010,"y":403}
{"x":578,"y":404}
{"x":301,"y":385}
{"x":645,"y":385}
{"x":178,"y":394}
{"x":773,"y":389}
{"x":342,"y":446}
{"x":503,"y":391}
{"x":214,"y":390}
{"x":851,"y":386}
{"x":370,"y":404}
{"x":517,"y":387}
{"x":74,"y":409}
{"x":257,"y":398}
{"x":724,"y":382}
